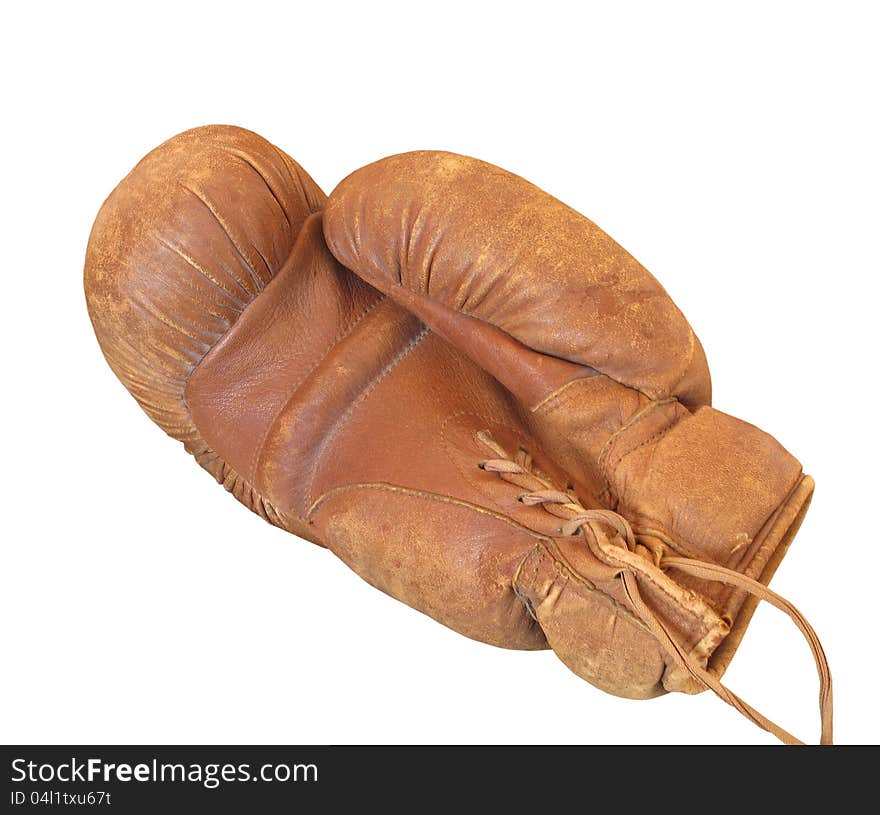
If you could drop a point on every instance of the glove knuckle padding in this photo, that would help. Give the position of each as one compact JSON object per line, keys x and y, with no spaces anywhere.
{"x":489,"y":244}
{"x":180,"y":248}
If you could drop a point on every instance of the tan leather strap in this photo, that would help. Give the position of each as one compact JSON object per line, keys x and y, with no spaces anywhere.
{"x":632,"y":566}
{"x":633,"y":560}
{"x":711,"y":571}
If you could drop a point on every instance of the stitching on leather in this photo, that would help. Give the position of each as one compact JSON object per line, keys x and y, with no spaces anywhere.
{"x":193,"y":431}
{"x":217,"y":339}
{"x":654,"y":437}
{"x":387,"y":285}
{"x":756,"y":544}
{"x":521,"y":565}
{"x":350,"y":410}
{"x":612,"y":441}
{"x":344,"y":332}
{"x":539,"y":548}
{"x":562,"y":568}
{"x":417,"y":493}
{"x":561,"y":389}
{"x":224,"y":474}
{"x":607,"y":449}
{"x":514,"y":584}
{"x":633,"y":420}
{"x":701,"y":615}
{"x":686,"y":600}
{"x":542,"y":553}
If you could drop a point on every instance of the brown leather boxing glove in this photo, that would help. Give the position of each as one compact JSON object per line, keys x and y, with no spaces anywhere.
{"x":335,"y":413}
{"x":611,"y":379}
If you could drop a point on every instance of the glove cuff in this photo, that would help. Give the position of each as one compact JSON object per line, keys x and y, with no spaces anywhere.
{"x":710,"y":487}
{"x":776,"y":537}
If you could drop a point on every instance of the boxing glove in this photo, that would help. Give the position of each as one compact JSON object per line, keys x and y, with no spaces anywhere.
{"x":608,"y":375}
{"x":335,"y":413}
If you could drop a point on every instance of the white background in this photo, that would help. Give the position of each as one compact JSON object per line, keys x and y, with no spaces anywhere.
{"x":734,"y":152}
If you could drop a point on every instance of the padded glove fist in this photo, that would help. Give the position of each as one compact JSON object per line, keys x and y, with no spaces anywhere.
{"x":473,"y":397}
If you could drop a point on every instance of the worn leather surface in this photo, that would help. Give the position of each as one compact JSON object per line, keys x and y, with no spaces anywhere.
{"x":608,"y":373}
{"x":341,"y":392}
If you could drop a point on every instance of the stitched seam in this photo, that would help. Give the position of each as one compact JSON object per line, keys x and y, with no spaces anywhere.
{"x":614,"y":438}
{"x":189,"y":415}
{"x":392,"y":285}
{"x":703,"y":614}
{"x":654,"y":437}
{"x":343,"y":333}
{"x":760,"y":539}
{"x":225,"y":475}
{"x":514,"y":582}
{"x":245,"y":306}
{"x":240,"y":307}
{"x":704,"y":611}
{"x":687,"y":601}
{"x":561,"y":566}
{"x":539,"y":548}
{"x":346,"y":415}
{"x":561,"y":389}
{"x":767,"y":525}
{"x":517,"y":591}
{"x":639,"y":415}
{"x":417,"y":493}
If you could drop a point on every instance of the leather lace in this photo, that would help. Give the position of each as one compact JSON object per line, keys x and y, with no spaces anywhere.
{"x":636,"y":559}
